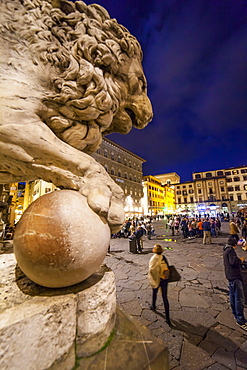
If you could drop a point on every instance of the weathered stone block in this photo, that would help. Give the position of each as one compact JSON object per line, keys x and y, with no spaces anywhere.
{"x":96,"y":316}
{"x":37,"y":332}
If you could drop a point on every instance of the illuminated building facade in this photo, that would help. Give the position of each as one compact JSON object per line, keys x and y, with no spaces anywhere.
{"x":158,"y":199}
{"x":125,"y":168}
{"x":213,"y":192}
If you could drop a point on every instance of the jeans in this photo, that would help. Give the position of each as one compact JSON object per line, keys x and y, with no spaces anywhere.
{"x":164,"y":286}
{"x":236,"y":293}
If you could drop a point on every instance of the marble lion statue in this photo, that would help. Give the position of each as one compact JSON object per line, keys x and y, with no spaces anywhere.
{"x":69,"y":75}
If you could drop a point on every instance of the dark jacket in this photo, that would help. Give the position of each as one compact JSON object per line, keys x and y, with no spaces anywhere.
{"x":206,"y":226}
{"x":232,"y":264}
{"x":139,"y":233}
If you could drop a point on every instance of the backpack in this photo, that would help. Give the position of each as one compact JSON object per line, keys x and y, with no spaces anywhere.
{"x":164,"y":269}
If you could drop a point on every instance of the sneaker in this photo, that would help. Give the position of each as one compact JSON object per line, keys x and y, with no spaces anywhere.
{"x":242,"y":326}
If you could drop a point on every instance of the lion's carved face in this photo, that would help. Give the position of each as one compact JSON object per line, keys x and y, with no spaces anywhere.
{"x":95,"y":81}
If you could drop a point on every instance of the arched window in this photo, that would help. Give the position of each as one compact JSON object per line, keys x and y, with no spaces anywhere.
{"x":125,"y":175}
{"x":106,"y":153}
{"x":125,"y":161}
{"x":130,"y":177}
{"x":112,"y":171}
{"x":208,"y":174}
{"x":112,"y":156}
{"x":119,"y":159}
{"x":220,"y":173}
{"x":119,"y":174}
{"x":106,"y":168}
{"x":197,"y":176}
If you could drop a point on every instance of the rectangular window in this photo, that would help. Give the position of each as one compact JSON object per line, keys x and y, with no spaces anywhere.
{"x":222,"y":188}
{"x":231,"y":197}
{"x":179,"y":200}
{"x":237,"y":188}
{"x":191,"y":199}
{"x":199,"y":191}
{"x":185,"y":200}
{"x":239,"y":197}
{"x":228,"y":179}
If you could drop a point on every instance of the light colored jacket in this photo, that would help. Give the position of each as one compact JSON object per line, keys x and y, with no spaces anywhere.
{"x":155,"y":270}
{"x":233,"y":228}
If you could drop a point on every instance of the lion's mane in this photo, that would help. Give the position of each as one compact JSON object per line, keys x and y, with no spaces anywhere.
{"x":83,"y":50}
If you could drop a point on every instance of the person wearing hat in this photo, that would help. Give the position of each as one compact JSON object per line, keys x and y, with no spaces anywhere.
{"x":232,"y":264}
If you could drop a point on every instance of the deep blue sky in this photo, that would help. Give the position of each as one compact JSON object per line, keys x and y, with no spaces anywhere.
{"x":195,"y":61}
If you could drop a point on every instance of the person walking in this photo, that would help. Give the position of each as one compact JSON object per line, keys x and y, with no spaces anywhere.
{"x":149,"y":230}
{"x":206,"y":232}
{"x":234,"y":276}
{"x":172,"y":225}
{"x":139,"y":234}
{"x":244,"y":230}
{"x":200,"y":228}
{"x":176,"y":225}
{"x":184,"y":227}
{"x":234,"y":230}
{"x":158,"y":278}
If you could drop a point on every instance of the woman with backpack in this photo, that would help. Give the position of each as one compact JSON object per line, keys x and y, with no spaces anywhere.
{"x":158,"y":275}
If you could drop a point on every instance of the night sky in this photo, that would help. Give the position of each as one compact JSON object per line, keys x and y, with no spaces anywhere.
{"x":195,"y":62}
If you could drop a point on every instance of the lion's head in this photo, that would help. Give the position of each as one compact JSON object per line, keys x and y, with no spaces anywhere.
{"x":95,"y":82}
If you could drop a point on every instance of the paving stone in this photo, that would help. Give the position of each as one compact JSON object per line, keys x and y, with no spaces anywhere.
{"x":217,"y":366}
{"x":193,"y":322}
{"x":208,"y":346}
{"x":194,"y":358}
{"x":125,"y":296}
{"x":241,"y":358}
{"x":189,"y":273}
{"x":174,"y":339}
{"x":132,"y":307}
{"x":192,"y":338}
{"x":225,"y":358}
{"x":189,"y":297}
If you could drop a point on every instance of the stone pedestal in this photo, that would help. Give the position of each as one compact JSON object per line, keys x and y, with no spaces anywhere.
{"x":46,"y":328}
{"x":58,"y":329}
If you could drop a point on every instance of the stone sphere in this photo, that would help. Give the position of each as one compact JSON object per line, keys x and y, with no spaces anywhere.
{"x":59,"y":240}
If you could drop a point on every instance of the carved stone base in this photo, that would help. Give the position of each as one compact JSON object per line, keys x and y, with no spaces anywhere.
{"x":58,"y":329}
{"x":46,"y":328}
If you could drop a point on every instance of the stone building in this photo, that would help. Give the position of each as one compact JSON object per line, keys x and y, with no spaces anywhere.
{"x":158,"y":199}
{"x":168,"y":178}
{"x":212,"y":192}
{"x":125,"y":168}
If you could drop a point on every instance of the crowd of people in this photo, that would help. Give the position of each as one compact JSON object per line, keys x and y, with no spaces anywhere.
{"x":206,"y":228}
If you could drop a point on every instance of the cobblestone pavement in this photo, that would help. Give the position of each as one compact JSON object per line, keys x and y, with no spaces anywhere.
{"x":203,"y":334}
